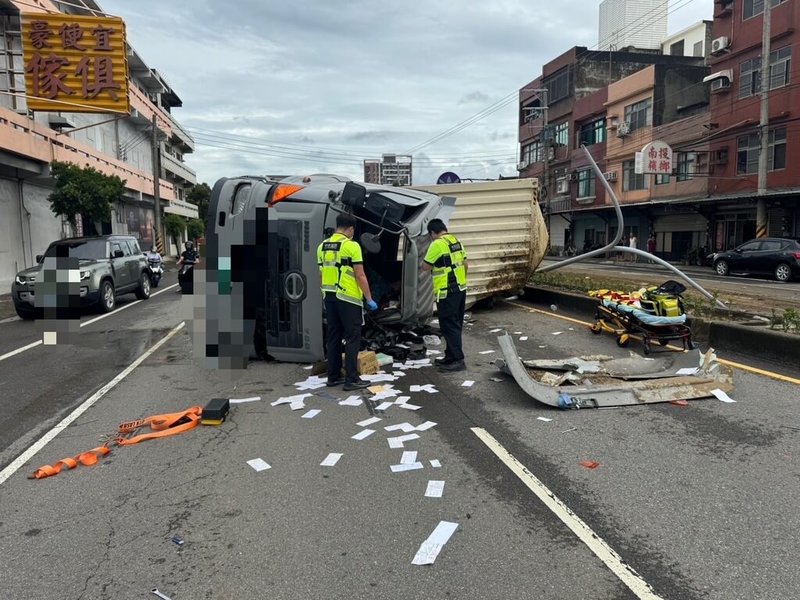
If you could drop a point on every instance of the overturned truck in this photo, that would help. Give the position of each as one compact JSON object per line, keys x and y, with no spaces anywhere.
{"x":259,"y":294}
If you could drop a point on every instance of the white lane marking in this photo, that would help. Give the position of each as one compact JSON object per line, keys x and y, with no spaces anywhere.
{"x":595,"y":543}
{"x":20,"y":350}
{"x":10,"y":320}
{"x":48,"y":437}
{"x":84,"y":324}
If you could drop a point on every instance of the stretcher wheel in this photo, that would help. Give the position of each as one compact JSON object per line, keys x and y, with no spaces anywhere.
{"x":596,"y":328}
{"x":623,"y":340}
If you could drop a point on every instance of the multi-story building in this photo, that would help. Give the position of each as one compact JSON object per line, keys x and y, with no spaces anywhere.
{"x":735,"y":84}
{"x":122,"y":146}
{"x":668,"y":103}
{"x":692,"y":41}
{"x":632,"y":23}
{"x":576,"y":75}
{"x":392,"y":169}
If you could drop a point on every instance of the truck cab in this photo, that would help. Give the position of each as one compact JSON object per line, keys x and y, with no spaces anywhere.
{"x":260,"y":289}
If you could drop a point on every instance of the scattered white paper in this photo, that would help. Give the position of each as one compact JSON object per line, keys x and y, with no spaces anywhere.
{"x":435,"y":489}
{"x":433,"y":352}
{"x":430,"y":548}
{"x":404,"y":427}
{"x":367,"y":422}
{"x":407,"y":467}
{"x":259,"y":464}
{"x":435,"y":463}
{"x":313,"y":382}
{"x":557,"y":332}
{"x":312,"y":413}
{"x":517,"y":333}
{"x":409,"y":456}
{"x":402,"y":399}
{"x":409,"y":406}
{"x":399,"y":373}
{"x":352,"y":401}
{"x":722,"y":396}
{"x":384,"y":405}
{"x":468,"y":383}
{"x":545,"y":419}
{"x":331,"y":459}
{"x":397,"y":442}
{"x":486,"y":352}
{"x":542,"y":346}
{"x":363,"y":434}
{"x":687,"y":371}
{"x":243,"y":400}
{"x":426,"y":425}
{"x":290,"y":399}
{"x":523,"y":338}
{"x":495,"y":330}
{"x":297,"y":405}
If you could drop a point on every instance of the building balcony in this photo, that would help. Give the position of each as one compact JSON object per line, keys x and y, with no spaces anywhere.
{"x":175,"y":169}
{"x":181,"y":136}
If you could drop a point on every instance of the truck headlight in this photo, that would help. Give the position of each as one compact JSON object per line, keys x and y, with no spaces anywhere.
{"x":20,"y":279}
{"x":85,"y":275}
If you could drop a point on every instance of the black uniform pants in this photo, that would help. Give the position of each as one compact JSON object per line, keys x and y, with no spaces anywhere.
{"x":451,"y":322}
{"x":344,"y":323}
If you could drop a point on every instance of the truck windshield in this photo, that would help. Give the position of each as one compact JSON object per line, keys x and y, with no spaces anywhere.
{"x":83,"y":250}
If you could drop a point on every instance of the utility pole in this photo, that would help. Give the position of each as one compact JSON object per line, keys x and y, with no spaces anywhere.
{"x":546,"y":148}
{"x":156,"y":187}
{"x":763,"y":154}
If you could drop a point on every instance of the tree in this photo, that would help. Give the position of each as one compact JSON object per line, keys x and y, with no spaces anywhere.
{"x":175,"y":225}
{"x":200,"y":196}
{"x":195,"y":228}
{"x":84,"y":191}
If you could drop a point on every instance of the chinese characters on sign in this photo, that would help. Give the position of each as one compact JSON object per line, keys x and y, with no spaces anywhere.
{"x":655,"y":157}
{"x":75,"y":59}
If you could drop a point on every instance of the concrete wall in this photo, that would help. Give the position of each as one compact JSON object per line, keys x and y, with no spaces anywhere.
{"x":699,"y":32}
{"x":640,"y":23}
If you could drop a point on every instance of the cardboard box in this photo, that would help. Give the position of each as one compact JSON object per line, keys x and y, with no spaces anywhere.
{"x":367,"y":363}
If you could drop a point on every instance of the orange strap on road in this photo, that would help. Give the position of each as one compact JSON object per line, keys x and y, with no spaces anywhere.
{"x":87,"y":459}
{"x":161,"y":426}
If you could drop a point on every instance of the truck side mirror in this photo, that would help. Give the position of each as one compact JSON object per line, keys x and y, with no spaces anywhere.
{"x":118,"y":254}
{"x":39,"y":258}
{"x":354,"y":195}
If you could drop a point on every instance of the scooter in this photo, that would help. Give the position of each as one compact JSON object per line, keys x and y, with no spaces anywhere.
{"x":155,"y":269}
{"x":186,"y":276}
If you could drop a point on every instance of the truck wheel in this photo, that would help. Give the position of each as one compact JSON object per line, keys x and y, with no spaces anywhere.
{"x":721,"y":267}
{"x":25,"y":313}
{"x":143,"y":291}
{"x":108,"y":300}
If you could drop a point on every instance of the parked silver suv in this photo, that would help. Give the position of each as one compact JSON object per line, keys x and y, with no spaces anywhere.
{"x":108,"y":266}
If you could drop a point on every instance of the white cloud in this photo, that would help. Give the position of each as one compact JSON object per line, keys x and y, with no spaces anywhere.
{"x":323,"y":85}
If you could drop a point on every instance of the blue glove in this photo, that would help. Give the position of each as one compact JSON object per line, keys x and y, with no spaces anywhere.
{"x":372,"y":306}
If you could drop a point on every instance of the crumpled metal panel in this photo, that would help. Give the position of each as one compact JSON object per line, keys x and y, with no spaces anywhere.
{"x":658,"y":386}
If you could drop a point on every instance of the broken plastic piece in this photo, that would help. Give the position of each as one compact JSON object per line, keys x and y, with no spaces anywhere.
{"x":589,"y":464}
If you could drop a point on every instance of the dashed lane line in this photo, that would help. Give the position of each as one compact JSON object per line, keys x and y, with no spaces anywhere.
{"x":84,"y":324}
{"x":729,"y":363}
{"x":594,"y":542}
{"x":23,"y":458}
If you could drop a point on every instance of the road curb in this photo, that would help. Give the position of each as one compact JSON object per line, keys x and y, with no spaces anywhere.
{"x":754,"y":341}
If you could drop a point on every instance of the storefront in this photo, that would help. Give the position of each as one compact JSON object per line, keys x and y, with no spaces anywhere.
{"x":681,"y":236}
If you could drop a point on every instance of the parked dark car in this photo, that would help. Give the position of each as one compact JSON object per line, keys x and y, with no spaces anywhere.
{"x":778,"y":257}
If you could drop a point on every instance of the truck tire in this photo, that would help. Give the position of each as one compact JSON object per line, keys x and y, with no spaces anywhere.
{"x":143,"y":291}
{"x":108,"y":299}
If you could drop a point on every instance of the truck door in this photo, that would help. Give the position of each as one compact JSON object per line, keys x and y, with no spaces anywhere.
{"x":122,"y":276}
{"x":294,"y":299}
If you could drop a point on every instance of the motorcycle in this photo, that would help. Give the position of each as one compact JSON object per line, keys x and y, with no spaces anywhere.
{"x":155,"y":270}
{"x":186,"y":276}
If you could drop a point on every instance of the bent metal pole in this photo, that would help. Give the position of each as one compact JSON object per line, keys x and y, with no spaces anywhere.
{"x":612,"y":246}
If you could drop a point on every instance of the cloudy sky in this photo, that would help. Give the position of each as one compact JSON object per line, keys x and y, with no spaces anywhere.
{"x":310,"y":86}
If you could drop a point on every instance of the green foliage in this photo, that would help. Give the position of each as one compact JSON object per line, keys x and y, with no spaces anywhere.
{"x":84,"y":191}
{"x":200,"y":196}
{"x":195,"y":228}
{"x":175,"y":225}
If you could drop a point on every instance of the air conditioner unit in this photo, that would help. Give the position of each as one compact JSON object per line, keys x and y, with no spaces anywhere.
{"x":720,"y":83}
{"x":719,"y":45}
{"x":562,"y":186}
{"x":610,"y":175}
{"x":623,"y":129}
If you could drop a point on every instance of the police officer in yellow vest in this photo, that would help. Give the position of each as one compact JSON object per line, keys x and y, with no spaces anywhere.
{"x":447,"y":259}
{"x":344,"y":288}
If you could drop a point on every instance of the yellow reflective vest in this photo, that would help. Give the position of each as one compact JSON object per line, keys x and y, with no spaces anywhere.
{"x":447,"y":256}
{"x":335,"y":258}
